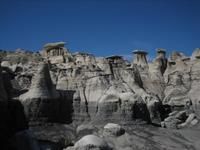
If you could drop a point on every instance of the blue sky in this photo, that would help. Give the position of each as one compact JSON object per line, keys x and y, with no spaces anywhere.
{"x":101,"y":27}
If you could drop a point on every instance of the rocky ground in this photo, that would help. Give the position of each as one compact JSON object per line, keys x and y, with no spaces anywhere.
{"x":54,"y":99}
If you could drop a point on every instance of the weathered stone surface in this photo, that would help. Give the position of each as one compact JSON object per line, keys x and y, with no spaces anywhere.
{"x":176,"y":56}
{"x":180,"y":119}
{"x":41,"y":86}
{"x":140,"y":58}
{"x":85,"y":129}
{"x":90,"y":142}
{"x":56,"y":53}
{"x":112,"y":129}
{"x":90,"y":92}
{"x":42,"y":98}
{"x":122,"y":107}
{"x":55,"y":135}
{"x":57,"y":59}
{"x":178,"y":84}
{"x":6,"y":63}
{"x":196,"y":54}
{"x":104,"y":65}
{"x":53,"y":45}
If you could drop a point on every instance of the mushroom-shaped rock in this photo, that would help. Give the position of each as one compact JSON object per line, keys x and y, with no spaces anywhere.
{"x":160,"y":63}
{"x":140,"y":58}
{"x":116,"y":61}
{"x":90,"y":142}
{"x":161,"y":53}
{"x":56,"y":53}
{"x":49,"y":46}
{"x":112,"y":129}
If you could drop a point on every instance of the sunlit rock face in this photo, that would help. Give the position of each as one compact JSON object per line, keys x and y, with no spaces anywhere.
{"x":196,"y":54}
{"x":108,"y":98}
{"x":56,"y":53}
{"x":140,"y":58}
{"x":92,"y":78}
{"x":176,"y":56}
{"x":83,"y":87}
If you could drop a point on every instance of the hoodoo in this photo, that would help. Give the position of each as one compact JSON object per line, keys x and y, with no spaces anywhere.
{"x":161,"y":53}
{"x":161,"y":59}
{"x":56,"y":52}
{"x":140,"y":58}
{"x":88,"y":92}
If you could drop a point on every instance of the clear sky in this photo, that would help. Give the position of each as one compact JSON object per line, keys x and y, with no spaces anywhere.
{"x":101,"y":27}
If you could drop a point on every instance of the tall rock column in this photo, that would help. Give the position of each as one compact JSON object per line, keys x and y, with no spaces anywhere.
{"x":156,"y":70}
{"x":162,"y":60}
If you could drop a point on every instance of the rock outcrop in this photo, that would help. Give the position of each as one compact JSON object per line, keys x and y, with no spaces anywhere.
{"x":112,"y":129}
{"x":42,"y":99}
{"x":107,"y":88}
{"x":90,"y":142}
{"x":196,"y":54}
{"x":56,"y":52}
{"x":180,"y":119}
{"x":87,"y":92}
{"x":140,"y":58}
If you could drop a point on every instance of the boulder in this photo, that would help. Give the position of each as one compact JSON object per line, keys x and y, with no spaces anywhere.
{"x":171,"y":122}
{"x":90,"y":142}
{"x":112,"y":129}
{"x":179,"y":119}
{"x":188,"y":121}
{"x":194,"y":122}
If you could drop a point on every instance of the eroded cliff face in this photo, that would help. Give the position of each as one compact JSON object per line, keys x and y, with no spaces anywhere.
{"x":56,"y":88}
{"x":109,"y":88}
